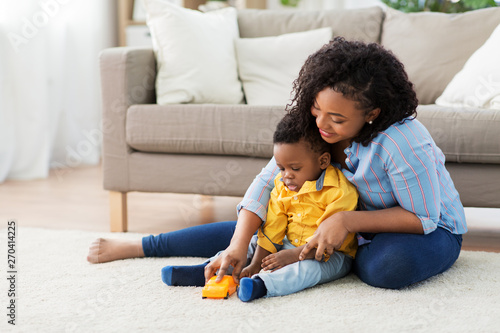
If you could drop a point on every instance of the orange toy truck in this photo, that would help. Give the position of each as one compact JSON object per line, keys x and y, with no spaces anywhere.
{"x":223,"y":289}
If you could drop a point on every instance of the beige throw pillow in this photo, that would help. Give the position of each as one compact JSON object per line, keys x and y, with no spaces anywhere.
{"x":435,"y":46}
{"x":269,"y":65}
{"x":478,"y":83}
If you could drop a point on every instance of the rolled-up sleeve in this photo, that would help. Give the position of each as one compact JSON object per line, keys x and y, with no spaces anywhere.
{"x":257,"y":196}
{"x":402,"y":166}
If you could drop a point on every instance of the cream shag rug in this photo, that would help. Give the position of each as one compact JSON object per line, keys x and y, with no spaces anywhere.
{"x":58,"y":291}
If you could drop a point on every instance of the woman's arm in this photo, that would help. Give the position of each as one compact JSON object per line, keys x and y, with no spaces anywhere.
{"x":236,"y":253}
{"x":333,"y":231}
{"x":258,"y":193}
{"x":251,"y":212}
{"x":395,"y":219}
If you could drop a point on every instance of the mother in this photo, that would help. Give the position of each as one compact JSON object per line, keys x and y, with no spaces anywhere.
{"x":410,"y":218}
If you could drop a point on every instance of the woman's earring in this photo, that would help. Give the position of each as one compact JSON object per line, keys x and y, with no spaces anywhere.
{"x":370,"y":122}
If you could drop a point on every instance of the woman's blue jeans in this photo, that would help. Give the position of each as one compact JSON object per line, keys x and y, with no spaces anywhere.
{"x":390,"y":260}
{"x":394,"y":260}
{"x":200,"y":241}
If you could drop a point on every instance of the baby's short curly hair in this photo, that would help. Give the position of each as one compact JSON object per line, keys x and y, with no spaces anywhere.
{"x":365,"y":73}
{"x":288,"y":131}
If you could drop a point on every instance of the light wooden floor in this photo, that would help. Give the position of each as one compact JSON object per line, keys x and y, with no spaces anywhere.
{"x":75,"y":199}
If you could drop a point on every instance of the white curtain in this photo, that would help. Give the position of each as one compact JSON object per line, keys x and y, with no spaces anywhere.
{"x":50,"y":104}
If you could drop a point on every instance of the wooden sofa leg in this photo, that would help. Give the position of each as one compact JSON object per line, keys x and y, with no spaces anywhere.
{"x":118,"y":211}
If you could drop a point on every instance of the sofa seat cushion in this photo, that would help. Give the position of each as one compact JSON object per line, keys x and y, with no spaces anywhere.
{"x":361,"y":24}
{"x":242,"y":130}
{"x":464,"y":134}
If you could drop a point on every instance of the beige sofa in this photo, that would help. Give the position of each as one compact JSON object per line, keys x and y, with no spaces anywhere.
{"x":218,"y":149}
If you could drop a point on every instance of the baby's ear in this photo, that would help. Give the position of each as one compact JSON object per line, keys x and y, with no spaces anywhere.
{"x":324,"y":160}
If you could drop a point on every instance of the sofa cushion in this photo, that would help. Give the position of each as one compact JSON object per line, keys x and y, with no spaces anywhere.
{"x":464,"y":134}
{"x":195,"y":54}
{"x":362,"y":24}
{"x":435,"y":46}
{"x":478,"y":83}
{"x":203,"y":129}
{"x":268,"y":65}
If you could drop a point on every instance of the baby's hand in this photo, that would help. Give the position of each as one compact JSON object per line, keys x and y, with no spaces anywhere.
{"x":280,"y":259}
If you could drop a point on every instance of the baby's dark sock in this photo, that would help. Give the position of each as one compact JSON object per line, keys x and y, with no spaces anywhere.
{"x":251,"y":288}
{"x":184,"y":275}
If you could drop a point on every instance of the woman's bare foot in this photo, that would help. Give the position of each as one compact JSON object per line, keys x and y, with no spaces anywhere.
{"x":105,"y":250}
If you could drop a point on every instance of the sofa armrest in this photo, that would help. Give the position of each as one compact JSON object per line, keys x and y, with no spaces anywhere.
{"x":127,"y":77}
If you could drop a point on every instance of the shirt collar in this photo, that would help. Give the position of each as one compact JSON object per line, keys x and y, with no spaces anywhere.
{"x":328,"y":177}
{"x":320,"y":181}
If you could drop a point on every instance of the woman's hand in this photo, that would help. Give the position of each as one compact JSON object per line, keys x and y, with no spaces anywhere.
{"x":235,"y":256}
{"x":329,"y":237}
{"x":333,"y":231}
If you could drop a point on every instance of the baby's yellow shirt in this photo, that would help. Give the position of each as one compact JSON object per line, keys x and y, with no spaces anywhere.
{"x":297,"y":215}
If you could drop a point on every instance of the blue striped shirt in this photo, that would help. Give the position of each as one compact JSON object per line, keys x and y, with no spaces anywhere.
{"x":400,"y":166}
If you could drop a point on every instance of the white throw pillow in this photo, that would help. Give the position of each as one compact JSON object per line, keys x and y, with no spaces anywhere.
{"x":478,"y":83}
{"x":269,"y":65}
{"x":194,"y":53}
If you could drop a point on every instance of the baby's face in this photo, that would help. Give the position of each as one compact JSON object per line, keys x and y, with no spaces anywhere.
{"x":298,"y":164}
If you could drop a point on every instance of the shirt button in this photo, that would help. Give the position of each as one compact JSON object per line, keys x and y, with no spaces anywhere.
{"x":347,"y":150}
{"x":299,"y":215}
{"x":296,"y":241}
{"x":295,"y":198}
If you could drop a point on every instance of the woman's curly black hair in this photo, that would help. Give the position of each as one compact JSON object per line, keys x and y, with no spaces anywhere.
{"x":366,"y":73}
{"x":288,"y":131}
